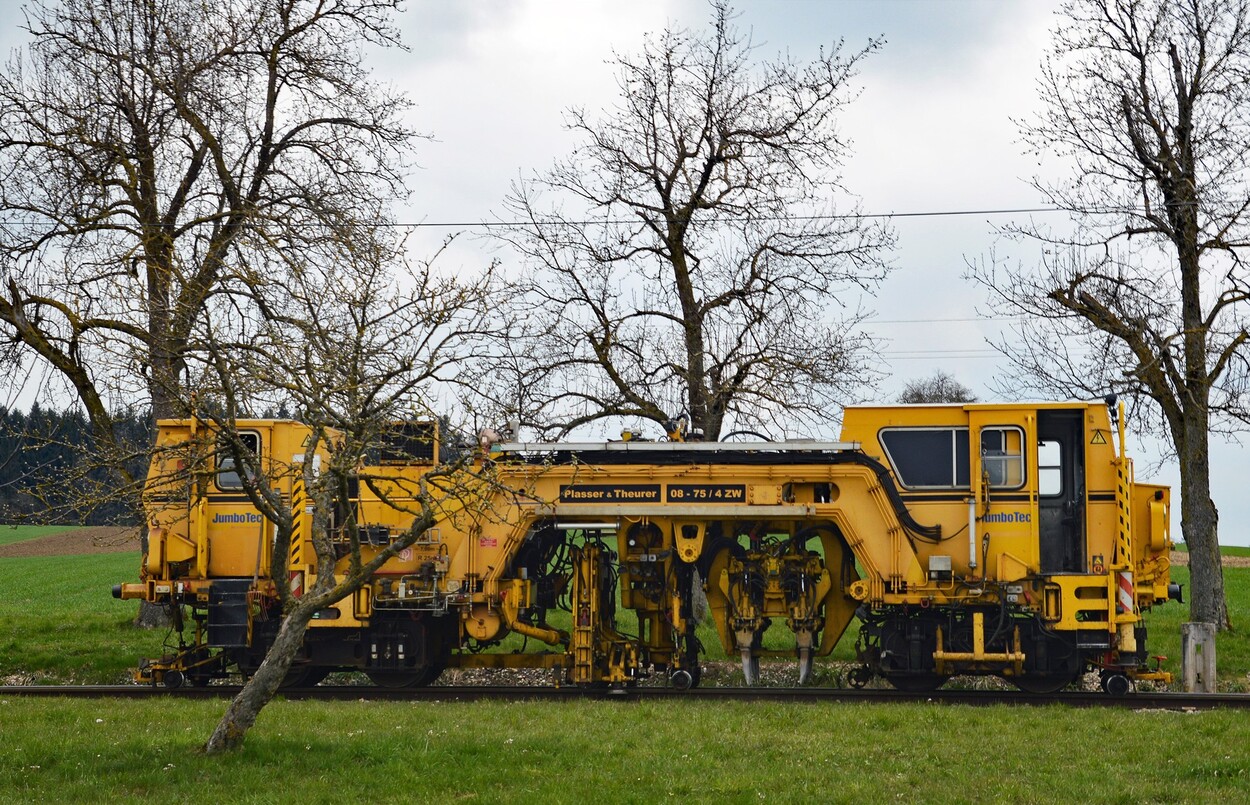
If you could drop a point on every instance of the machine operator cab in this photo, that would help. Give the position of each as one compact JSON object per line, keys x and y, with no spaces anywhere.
{"x":1036,"y":485}
{"x":1037,"y":509}
{"x":1034,"y":491}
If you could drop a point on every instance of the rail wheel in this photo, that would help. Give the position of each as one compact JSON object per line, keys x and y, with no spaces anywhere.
{"x":1043,"y":683}
{"x":436,"y":637}
{"x":859,"y":677}
{"x":431,"y":674}
{"x":202,"y":668}
{"x":305,"y":677}
{"x":396,"y":679}
{"x":300,"y":674}
{"x":684,"y":678}
{"x":916,"y":683}
{"x":414,"y":678}
{"x":1115,"y":683}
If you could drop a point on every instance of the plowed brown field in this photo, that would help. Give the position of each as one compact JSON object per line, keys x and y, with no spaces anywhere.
{"x":94,"y":539}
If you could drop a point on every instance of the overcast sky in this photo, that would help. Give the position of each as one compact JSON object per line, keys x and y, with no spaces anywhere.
{"x":932,"y":132}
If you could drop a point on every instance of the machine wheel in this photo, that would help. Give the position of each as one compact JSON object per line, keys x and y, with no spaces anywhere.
{"x":1043,"y":683}
{"x":396,"y":679}
{"x":304,"y":676}
{"x":859,"y":677}
{"x":437,"y":635}
{"x":1116,"y":684}
{"x":916,"y":683}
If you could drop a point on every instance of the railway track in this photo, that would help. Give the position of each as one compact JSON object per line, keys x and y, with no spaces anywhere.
{"x":1135,"y":701}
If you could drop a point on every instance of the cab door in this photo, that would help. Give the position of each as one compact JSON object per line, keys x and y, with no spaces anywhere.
{"x":1061,"y":490}
{"x":999,"y":448}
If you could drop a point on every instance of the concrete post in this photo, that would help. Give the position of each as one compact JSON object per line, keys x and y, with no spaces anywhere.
{"x":1198,"y":657}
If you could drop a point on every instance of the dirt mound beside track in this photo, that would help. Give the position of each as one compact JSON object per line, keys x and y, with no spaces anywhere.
{"x":93,"y":539}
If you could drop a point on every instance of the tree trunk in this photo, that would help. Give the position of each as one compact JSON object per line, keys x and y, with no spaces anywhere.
{"x":163,"y":391}
{"x":151,"y":616}
{"x":1199,"y":519}
{"x":246,"y":706}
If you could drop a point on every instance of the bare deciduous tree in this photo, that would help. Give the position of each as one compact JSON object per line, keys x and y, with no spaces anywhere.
{"x":1147,"y":294}
{"x":146,"y":148}
{"x":353,"y":346}
{"x":685,"y":254}
{"x":940,"y":387}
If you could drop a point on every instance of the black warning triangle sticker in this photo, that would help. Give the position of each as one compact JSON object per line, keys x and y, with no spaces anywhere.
{"x":1098,"y":438}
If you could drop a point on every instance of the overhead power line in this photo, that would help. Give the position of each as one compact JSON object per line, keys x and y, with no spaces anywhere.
{"x":483,"y":224}
{"x":890,"y":357}
{"x":944,"y":321}
{"x":830,"y":217}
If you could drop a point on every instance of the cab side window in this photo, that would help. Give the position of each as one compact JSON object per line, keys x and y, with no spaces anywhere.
{"x":1049,"y":468}
{"x":227,"y":474}
{"x":1002,"y":456}
{"x":928,"y":458}
{"x":938,"y":458}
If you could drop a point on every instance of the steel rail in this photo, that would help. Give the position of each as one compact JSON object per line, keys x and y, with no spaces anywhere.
{"x":1143,"y":700}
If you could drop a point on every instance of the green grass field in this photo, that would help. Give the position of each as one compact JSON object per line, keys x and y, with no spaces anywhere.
{"x":59,"y":623}
{"x":603,"y":751}
{"x":1232,"y":651}
{"x":1227,"y":550}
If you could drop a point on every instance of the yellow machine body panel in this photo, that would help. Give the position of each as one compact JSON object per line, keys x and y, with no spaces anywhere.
{"x":197,"y":508}
{"x":1008,"y":539}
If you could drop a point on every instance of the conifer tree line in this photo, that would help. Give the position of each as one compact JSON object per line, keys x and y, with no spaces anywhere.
{"x":52,"y":473}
